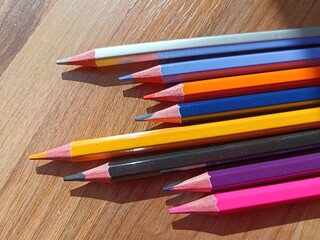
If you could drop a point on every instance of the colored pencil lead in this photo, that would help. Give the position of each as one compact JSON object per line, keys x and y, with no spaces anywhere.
{"x":63,"y":61}
{"x":171,"y":94}
{"x":41,"y":155}
{"x":144,"y":117}
{"x":75,"y":177}
{"x":199,"y":183}
{"x":149,"y":96}
{"x":83,"y":59}
{"x":180,"y":209}
{"x":171,"y":114}
{"x":97,"y":174}
{"x":170,"y":187}
{"x":126,"y":77}
{"x":62,"y":153}
{"x":150,"y":75}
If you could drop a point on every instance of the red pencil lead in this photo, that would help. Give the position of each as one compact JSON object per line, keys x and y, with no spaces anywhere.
{"x":149,"y":96}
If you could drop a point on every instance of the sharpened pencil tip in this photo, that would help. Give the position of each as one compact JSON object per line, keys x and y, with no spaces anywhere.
{"x":179,"y":209}
{"x":75,"y":177}
{"x":126,"y":77}
{"x":144,"y":117}
{"x":170,"y":187}
{"x":41,"y":155}
{"x":63,"y":61}
{"x":149,"y":97}
{"x":167,"y":188}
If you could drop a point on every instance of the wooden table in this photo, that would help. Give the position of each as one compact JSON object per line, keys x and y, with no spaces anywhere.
{"x":44,"y":105}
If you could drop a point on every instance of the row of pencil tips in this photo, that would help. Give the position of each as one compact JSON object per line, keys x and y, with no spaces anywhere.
{"x":259,"y":71}
{"x":259,"y":93}
{"x":268,"y":82}
{"x":239,"y":188}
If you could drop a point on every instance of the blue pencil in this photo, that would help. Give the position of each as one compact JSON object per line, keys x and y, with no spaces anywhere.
{"x":232,"y":107}
{"x":227,"y":66}
{"x":241,"y":48}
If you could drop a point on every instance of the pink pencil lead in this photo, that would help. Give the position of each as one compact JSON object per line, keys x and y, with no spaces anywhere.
{"x":179,"y":209}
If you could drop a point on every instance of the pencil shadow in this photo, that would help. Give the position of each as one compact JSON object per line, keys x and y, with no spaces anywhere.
{"x":164,"y":125}
{"x":61,"y":169}
{"x":249,"y":221}
{"x":184,"y":197}
{"x":159,"y":106}
{"x":105,"y":76}
{"x":142,"y":89}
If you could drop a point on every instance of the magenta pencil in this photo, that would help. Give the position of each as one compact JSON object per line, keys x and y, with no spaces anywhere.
{"x":253,"y":198}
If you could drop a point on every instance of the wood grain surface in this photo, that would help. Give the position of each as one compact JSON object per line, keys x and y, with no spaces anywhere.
{"x":44,"y":105}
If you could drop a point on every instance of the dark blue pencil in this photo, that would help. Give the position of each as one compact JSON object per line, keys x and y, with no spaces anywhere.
{"x":232,"y":107}
{"x":227,"y":66}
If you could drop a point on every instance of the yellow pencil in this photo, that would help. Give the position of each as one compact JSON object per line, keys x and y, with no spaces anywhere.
{"x":94,"y":149}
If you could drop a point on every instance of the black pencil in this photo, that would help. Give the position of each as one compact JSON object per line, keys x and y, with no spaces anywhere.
{"x":178,"y":160}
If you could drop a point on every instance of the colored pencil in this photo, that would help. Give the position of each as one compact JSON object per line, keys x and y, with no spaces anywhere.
{"x":239,"y":85}
{"x":232,"y":107}
{"x":227,"y":66}
{"x":196,"y":119}
{"x":203,"y":46}
{"x":253,"y":198}
{"x":200,"y":157}
{"x":194,"y":135}
{"x":252,"y":174}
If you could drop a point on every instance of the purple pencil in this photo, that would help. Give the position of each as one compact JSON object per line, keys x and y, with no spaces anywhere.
{"x":252,"y":174}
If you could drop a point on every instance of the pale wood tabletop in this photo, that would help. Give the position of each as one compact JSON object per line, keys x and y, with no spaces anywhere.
{"x":44,"y":106}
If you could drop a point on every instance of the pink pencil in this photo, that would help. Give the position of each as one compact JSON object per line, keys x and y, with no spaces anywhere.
{"x":253,"y":198}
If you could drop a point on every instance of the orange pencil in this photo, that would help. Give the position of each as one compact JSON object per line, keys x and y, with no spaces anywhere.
{"x":239,"y":85}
